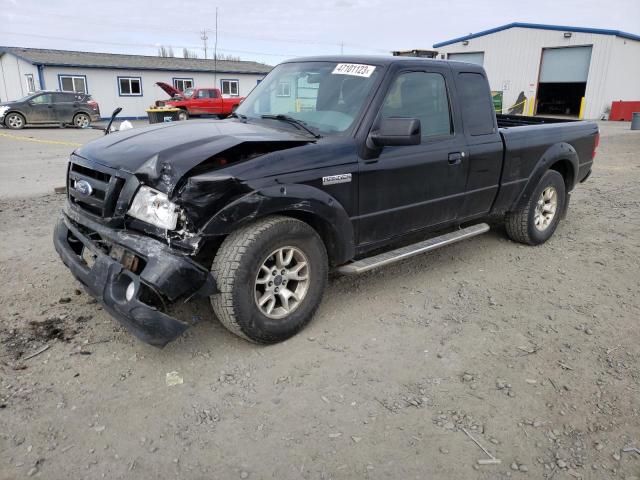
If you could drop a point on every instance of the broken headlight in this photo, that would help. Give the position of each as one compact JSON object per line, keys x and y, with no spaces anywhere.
{"x":154,"y":207}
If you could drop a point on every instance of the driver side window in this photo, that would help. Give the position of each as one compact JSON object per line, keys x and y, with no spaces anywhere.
{"x":423,"y":96}
{"x":42,"y":99}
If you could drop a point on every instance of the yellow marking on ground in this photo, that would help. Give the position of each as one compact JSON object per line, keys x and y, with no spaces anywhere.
{"x":37,"y":140}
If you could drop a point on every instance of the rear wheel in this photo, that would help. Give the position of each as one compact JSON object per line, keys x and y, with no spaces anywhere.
{"x":535,"y":222}
{"x":81,"y":120}
{"x":183,"y":115}
{"x":14,"y":121}
{"x":271,"y":276}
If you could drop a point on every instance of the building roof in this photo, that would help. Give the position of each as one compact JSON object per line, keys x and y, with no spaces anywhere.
{"x":539,"y":26}
{"x":69,"y":58}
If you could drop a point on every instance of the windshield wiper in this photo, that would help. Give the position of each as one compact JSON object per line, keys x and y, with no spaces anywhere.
{"x":294,"y":121}
{"x":239,"y":116}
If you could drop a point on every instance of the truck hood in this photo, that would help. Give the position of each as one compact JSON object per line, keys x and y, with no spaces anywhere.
{"x":160,"y":155}
{"x":172,"y":91}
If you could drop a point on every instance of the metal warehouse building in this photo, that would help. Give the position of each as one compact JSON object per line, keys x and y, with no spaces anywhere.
{"x":552,"y":69}
{"x":114,"y":80}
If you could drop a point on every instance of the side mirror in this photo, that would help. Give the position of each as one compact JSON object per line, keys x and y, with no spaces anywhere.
{"x":395,"y":132}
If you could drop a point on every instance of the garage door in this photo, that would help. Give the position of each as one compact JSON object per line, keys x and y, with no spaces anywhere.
{"x":565,"y":65}
{"x":471,"y":57}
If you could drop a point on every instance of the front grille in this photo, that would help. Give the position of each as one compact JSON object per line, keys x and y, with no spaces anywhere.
{"x":104,"y":190}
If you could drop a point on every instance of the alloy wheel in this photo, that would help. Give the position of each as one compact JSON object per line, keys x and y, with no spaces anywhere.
{"x":282,"y":282}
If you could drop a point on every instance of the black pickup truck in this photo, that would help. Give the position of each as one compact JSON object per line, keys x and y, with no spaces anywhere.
{"x":345,"y":163}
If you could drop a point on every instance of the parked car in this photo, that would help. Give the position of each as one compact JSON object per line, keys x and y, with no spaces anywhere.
{"x":199,"y":101}
{"x":64,"y":108}
{"x":385,"y":159}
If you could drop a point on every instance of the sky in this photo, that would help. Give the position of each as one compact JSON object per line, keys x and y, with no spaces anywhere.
{"x":272,"y":31}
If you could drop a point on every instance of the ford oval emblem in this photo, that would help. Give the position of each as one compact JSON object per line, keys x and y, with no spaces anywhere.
{"x":83,"y":187}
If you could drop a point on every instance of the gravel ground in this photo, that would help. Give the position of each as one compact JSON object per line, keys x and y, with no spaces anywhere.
{"x":531,"y":351}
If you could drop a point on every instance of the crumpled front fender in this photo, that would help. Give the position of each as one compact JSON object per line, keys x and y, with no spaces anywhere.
{"x":298,"y":201}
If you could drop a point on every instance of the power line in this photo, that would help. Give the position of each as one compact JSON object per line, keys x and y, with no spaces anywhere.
{"x":146,"y":45}
{"x":124,"y":26}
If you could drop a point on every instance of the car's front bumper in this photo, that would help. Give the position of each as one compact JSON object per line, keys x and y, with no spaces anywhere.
{"x":164,"y":276}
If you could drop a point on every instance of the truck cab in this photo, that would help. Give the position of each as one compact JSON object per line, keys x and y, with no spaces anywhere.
{"x":199,"y":101}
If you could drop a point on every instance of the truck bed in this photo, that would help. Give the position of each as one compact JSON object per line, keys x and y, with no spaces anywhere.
{"x":507,"y":121}
{"x":533,"y":140}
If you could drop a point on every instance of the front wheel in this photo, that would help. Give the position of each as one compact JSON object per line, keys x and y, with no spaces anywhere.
{"x":271,"y":276}
{"x":535,"y":221}
{"x":183,"y":115}
{"x":14,"y":121}
{"x":81,"y":120}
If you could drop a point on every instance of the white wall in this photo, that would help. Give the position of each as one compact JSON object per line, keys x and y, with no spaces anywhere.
{"x":102,"y":85}
{"x":623,"y":83}
{"x":13,"y":83}
{"x":513,"y":56}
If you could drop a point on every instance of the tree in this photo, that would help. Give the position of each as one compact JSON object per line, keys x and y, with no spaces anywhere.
{"x":228,"y":57}
{"x":165,"y":51}
{"x":189,"y":53}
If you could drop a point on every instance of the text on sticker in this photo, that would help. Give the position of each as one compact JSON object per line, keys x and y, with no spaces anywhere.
{"x":355,"y":69}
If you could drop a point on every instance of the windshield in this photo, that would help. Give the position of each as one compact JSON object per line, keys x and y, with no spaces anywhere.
{"x":188,"y":92}
{"x":326,"y":96}
{"x":24,"y":99}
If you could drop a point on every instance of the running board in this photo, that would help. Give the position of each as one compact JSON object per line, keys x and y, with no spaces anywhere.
{"x":392,"y":256}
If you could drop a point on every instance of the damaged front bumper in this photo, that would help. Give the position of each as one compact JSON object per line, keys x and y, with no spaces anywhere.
{"x":132,"y":275}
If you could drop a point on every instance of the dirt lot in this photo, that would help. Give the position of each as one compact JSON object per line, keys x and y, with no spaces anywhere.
{"x":535,"y":352}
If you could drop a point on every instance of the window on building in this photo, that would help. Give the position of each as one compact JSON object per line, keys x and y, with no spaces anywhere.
{"x":230,"y":87}
{"x":477,"y":109}
{"x":183,"y":83}
{"x":130,"y":86}
{"x":31,"y":85}
{"x":73,"y":83}
{"x":423,"y":96}
{"x":284,"y":89}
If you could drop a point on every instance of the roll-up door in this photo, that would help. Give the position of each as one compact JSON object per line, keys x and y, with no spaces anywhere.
{"x":565,"y":65}
{"x":470,"y":57}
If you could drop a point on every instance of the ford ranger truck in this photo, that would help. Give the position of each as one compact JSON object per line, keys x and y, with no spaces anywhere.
{"x":198,"y":101}
{"x":367,"y":161}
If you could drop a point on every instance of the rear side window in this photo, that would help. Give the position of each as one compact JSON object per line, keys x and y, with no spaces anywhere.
{"x":423,"y":96}
{"x":477,"y":109}
{"x":63,"y":97}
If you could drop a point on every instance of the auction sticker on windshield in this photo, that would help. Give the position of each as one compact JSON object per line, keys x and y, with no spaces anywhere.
{"x":355,"y":69}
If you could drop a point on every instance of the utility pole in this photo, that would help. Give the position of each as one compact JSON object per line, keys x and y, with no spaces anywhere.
{"x":215,"y":55}
{"x":204,"y":38}
{"x":342,"y":47}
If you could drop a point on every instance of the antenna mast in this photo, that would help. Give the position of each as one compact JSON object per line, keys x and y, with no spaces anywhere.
{"x":215,"y":53}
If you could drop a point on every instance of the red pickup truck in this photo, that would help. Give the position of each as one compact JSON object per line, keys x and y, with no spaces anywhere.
{"x":198,"y":101}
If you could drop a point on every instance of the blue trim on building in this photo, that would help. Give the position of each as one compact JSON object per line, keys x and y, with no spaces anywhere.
{"x":540,"y":26}
{"x":120,"y":94}
{"x":86,"y":84}
{"x":41,"y":77}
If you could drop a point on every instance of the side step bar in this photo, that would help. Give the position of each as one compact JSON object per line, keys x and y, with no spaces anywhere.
{"x":366,"y":264}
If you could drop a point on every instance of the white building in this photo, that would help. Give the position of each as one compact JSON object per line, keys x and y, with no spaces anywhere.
{"x":557,"y":69}
{"x":113,"y":80}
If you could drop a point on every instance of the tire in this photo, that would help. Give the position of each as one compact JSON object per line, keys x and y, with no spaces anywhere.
{"x":14,"y":121}
{"x":183,"y":115}
{"x":81,"y":120}
{"x":534,"y":222}
{"x":243,"y":267}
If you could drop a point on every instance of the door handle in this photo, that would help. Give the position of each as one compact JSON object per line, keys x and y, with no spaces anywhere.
{"x":456,"y":158}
